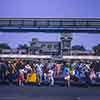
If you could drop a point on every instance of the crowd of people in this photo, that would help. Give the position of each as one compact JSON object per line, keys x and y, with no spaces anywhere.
{"x":45,"y":71}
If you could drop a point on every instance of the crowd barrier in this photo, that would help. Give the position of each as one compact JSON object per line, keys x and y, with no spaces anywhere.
{"x":20,"y":56}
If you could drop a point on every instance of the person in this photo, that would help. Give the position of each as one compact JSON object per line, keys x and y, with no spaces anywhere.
{"x":66,"y":74}
{"x":45,"y":71}
{"x":39,"y":72}
{"x":21,"y":78}
{"x":51,"y":76}
{"x":10,"y":69}
{"x":3,"y":70}
{"x":58,"y":69}
{"x":92,"y":75}
{"x":72,"y":73}
{"x":32,"y":77}
{"x":27,"y":70}
{"x":77,"y":74}
{"x":86,"y":70}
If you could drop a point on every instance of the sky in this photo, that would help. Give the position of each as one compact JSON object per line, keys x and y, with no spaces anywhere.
{"x":49,"y":9}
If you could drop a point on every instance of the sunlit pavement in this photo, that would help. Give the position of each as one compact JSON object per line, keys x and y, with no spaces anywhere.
{"x":48,"y":93}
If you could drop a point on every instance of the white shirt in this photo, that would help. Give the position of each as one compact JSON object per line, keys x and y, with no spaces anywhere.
{"x":28,"y":67}
{"x":50,"y":73}
{"x":39,"y":67}
{"x":21,"y":70}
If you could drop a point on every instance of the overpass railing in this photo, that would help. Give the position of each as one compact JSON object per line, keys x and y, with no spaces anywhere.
{"x":51,"y":22}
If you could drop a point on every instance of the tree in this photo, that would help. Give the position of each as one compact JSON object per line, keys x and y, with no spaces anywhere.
{"x":24,"y":46}
{"x":78,"y":47}
{"x":4,"y":46}
{"x":96,"y":49}
{"x":21,"y":47}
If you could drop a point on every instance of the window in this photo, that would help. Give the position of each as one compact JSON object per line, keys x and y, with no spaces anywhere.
{"x":54,"y":24}
{"x":67,"y":23}
{"x":28,"y":23}
{"x":41,"y":23}
{"x":43,"y":45}
{"x":4,"y":22}
{"x":55,"y":46}
{"x":49,"y":46}
{"x":16,"y":22}
{"x":66,"y":44}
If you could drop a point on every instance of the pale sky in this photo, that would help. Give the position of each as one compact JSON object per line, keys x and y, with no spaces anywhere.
{"x":49,"y":8}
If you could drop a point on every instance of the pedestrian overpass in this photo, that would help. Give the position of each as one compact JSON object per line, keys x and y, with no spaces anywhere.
{"x":76,"y":25}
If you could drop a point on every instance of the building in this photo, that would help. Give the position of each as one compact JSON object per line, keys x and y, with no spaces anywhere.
{"x":44,"y":47}
{"x":80,"y":52}
{"x":49,"y":48}
{"x":66,"y":39}
{"x":62,"y":47}
{"x":13,"y":51}
{"x":57,"y":48}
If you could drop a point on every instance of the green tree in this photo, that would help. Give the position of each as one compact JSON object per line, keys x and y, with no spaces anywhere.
{"x":78,"y":47}
{"x":24,"y":46}
{"x":96,"y":49}
{"x":4,"y":46}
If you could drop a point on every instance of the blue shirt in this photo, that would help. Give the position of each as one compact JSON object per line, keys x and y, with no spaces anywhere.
{"x":77,"y":74}
{"x":66,"y":71}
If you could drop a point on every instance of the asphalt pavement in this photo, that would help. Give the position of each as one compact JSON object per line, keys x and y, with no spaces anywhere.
{"x":48,"y":93}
